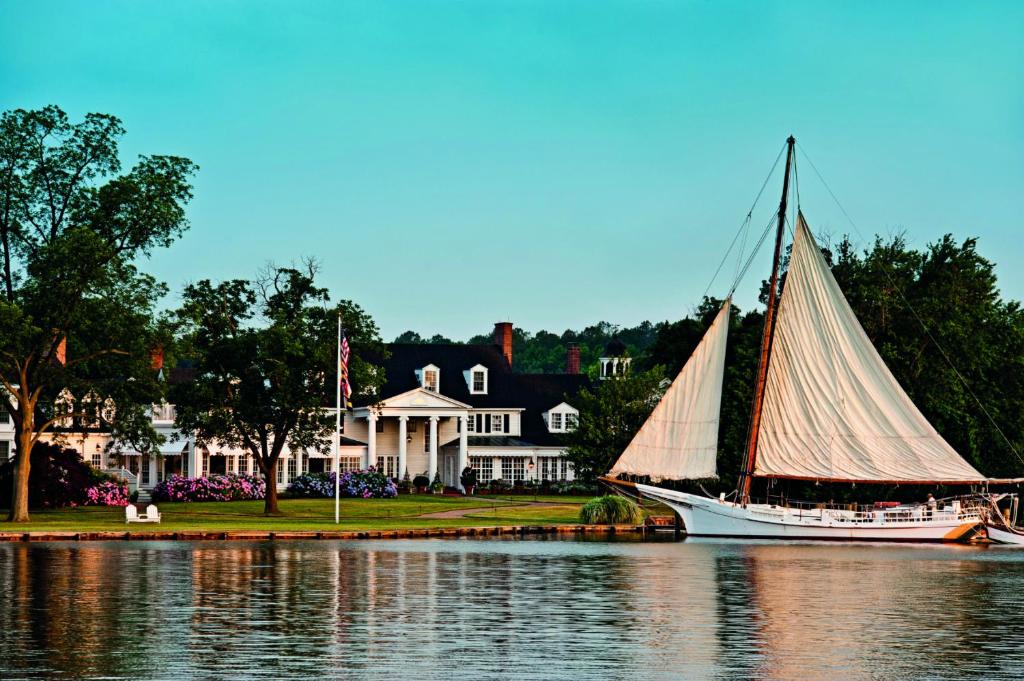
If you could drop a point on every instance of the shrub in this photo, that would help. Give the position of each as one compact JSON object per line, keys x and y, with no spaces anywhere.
{"x":58,"y":477}
{"x":107,"y":494}
{"x":368,"y":484}
{"x":500,"y":485}
{"x":611,"y":510}
{"x":231,"y":487}
{"x":421,"y":482}
{"x":573,"y":487}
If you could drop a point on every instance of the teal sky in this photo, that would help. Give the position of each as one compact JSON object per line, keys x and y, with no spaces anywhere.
{"x":551,"y":163}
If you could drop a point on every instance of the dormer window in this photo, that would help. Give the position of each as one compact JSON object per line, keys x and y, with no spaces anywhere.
{"x":561,"y":419}
{"x":431,"y":378}
{"x":476,"y":379}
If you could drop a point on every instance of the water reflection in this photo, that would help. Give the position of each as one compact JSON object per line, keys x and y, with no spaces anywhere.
{"x":508,"y":609}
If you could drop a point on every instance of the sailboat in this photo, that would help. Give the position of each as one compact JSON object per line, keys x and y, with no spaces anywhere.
{"x":826,"y":409}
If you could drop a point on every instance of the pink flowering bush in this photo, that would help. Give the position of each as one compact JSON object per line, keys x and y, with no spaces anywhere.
{"x":230,"y":487}
{"x":107,"y":494}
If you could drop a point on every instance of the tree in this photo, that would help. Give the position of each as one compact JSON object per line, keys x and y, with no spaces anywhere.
{"x":264,"y":353}
{"x":610,"y":415}
{"x":75,"y":312}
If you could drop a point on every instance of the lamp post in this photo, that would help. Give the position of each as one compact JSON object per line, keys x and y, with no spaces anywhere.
{"x":531,"y":466}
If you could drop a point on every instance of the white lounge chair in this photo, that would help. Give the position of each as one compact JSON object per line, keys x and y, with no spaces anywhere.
{"x":131,"y":514}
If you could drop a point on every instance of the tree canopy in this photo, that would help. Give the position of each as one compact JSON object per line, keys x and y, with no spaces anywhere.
{"x":76,"y":313}
{"x":264,"y":353}
{"x":936,"y":317}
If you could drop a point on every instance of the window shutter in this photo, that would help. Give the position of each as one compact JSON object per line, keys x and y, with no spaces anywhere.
{"x":487,"y":424}
{"x":506,"y":423}
{"x":479,"y":423}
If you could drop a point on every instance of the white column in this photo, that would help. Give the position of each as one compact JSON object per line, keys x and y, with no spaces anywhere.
{"x":463,"y":451}
{"x":432,"y":456}
{"x":195,"y":461}
{"x":371,"y":440}
{"x":402,"y":435}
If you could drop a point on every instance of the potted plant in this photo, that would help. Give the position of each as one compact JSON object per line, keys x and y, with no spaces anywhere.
{"x":468,"y":479}
{"x":437,"y":487}
{"x":421,"y":482}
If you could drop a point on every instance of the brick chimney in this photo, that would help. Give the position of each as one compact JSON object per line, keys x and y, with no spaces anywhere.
{"x":572,"y":359}
{"x":503,"y":339}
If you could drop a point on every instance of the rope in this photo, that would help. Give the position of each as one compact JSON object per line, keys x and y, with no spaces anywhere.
{"x":920,"y":321}
{"x":744,"y":227}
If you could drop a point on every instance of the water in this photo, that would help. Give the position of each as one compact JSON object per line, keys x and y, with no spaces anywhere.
{"x":483,"y":609}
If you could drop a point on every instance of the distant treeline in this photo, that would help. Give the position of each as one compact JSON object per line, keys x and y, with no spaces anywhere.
{"x":545,"y":352}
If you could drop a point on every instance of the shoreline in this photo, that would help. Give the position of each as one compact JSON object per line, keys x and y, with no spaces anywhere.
{"x":246,"y":535}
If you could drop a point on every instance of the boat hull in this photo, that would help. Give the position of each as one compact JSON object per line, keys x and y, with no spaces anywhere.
{"x":707,"y":517}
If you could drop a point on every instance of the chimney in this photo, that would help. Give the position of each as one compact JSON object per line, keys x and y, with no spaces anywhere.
{"x":572,"y":359}
{"x":503,"y":339}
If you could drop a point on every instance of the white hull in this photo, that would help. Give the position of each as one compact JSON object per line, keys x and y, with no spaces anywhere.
{"x":1003,"y":537}
{"x":707,"y":517}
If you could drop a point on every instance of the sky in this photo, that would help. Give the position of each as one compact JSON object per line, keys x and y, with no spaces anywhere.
{"x":553,"y":164}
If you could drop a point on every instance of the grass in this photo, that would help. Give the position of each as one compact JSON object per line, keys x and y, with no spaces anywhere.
{"x":403,"y":512}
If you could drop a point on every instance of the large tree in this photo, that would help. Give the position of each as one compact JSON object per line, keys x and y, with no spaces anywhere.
{"x":264,"y":353}
{"x":75,"y":312}
{"x":610,"y":415}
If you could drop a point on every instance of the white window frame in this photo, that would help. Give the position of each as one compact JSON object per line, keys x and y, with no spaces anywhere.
{"x":484,"y":467}
{"x":425,"y":382}
{"x":477,"y":371}
{"x":497,"y":423}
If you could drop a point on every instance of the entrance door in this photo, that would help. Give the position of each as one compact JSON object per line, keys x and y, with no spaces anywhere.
{"x":450,"y":474}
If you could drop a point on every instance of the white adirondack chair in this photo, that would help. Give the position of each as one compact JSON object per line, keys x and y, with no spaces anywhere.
{"x":152,"y":514}
{"x":131,"y":514}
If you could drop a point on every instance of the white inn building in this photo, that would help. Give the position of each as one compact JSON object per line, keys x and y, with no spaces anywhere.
{"x":442,"y":406}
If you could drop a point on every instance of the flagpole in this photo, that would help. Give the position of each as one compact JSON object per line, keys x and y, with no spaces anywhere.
{"x":337,"y":434}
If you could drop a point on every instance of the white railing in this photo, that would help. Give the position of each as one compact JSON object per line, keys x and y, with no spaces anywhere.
{"x":961,"y":509}
{"x":163,"y":412}
{"x":131,"y":479}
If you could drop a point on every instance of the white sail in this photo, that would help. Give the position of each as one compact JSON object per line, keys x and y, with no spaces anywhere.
{"x":832,"y":409}
{"x":679,"y":441}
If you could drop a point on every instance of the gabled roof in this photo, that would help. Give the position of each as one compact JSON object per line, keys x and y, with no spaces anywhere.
{"x":533,"y":393}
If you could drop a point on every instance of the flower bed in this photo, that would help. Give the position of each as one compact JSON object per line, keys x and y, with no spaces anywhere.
{"x":230,"y":487}
{"x":107,"y":494}
{"x":368,"y":484}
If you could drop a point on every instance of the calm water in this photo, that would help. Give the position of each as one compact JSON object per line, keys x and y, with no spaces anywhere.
{"x":481,"y":609}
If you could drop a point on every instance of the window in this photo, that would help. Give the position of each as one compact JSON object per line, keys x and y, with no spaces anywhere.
{"x":484,"y":466}
{"x":291,"y":468}
{"x":497,"y":423}
{"x":430,"y":378}
{"x":426,"y":439}
{"x":280,"y":473}
{"x":470,"y":424}
{"x":145,"y":469}
{"x":4,"y":416}
{"x":206,"y":464}
{"x":479,"y":382}
{"x":97,"y":461}
{"x":513,"y":469}
{"x":556,"y":421}
{"x":388,"y":465}
{"x":243,"y":464}
{"x":349,"y":463}
{"x":380,"y":424}
{"x":305,"y":465}
{"x":5,"y":450}
{"x":570,"y":421}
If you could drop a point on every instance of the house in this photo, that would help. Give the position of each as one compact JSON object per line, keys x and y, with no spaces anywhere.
{"x":441,"y":406}
{"x":445,"y":405}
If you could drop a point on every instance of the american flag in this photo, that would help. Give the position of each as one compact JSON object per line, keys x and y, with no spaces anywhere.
{"x":346,"y":387}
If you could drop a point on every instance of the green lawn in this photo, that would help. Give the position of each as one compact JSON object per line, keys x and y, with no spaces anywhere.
{"x":403,"y":512}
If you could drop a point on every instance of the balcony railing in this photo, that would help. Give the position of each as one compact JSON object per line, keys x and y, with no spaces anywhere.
{"x":163,"y":412}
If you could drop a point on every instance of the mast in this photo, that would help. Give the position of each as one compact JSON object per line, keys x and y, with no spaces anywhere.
{"x":750,"y":456}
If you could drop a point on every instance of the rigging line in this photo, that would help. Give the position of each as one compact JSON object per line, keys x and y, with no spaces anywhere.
{"x":753,"y":252}
{"x":745,"y":224}
{"x":920,"y":321}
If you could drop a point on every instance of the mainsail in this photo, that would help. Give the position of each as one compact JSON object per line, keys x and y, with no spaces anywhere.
{"x":679,"y":441}
{"x":832,"y":409}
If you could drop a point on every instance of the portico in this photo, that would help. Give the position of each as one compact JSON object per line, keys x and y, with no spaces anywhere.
{"x":405,"y":432}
